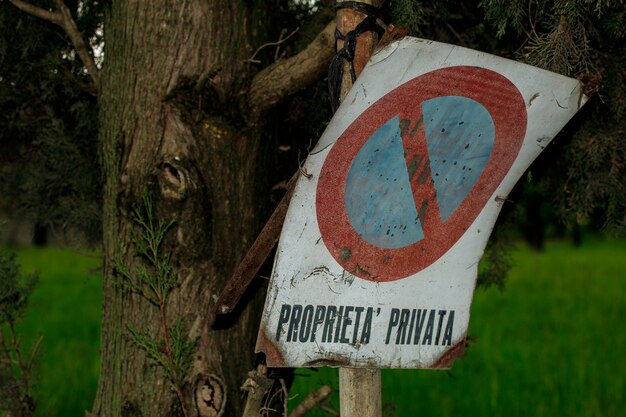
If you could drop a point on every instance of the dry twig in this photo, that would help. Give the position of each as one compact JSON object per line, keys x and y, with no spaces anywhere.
{"x":311,"y":401}
{"x":265,"y":45}
{"x":257,"y":385}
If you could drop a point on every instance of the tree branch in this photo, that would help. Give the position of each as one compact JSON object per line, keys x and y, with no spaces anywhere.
{"x":312,"y":400}
{"x":54,"y":17}
{"x":285,"y":77}
{"x":277,"y":43}
{"x":63,"y":18}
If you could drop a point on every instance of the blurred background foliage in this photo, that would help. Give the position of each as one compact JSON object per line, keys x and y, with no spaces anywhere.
{"x":49,"y":123}
{"x":17,"y":361}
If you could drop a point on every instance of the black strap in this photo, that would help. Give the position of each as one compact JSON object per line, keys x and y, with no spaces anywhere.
{"x":335,"y":70}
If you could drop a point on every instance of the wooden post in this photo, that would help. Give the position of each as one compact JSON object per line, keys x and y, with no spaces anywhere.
{"x":359,"y":392}
{"x":359,"y":388}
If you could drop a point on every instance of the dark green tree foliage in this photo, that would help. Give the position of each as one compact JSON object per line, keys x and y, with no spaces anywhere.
{"x":596,"y":169}
{"x":411,"y":14}
{"x":450,"y":21}
{"x":48,"y":121}
{"x":496,"y":261}
{"x":16,"y":365}
{"x":584,"y":39}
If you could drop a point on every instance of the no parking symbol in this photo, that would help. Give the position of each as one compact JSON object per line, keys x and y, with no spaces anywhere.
{"x":410,"y":174}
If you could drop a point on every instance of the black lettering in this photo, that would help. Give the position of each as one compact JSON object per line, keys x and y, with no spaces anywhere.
{"x":283,"y":318}
{"x":442,"y":313}
{"x":447,"y":334}
{"x":367,"y":326}
{"x":404,"y":321}
{"x":320,"y":312}
{"x":331,"y":313}
{"x":411,"y":324}
{"x":419,"y":323}
{"x":338,"y":326}
{"x":307,"y":321}
{"x":294,"y":321}
{"x":353,"y":324}
{"x":428,"y":334}
{"x":393,"y":321}
{"x":347,"y":321}
{"x":357,"y":321}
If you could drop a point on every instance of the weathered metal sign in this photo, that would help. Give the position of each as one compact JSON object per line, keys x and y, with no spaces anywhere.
{"x":378,"y":257}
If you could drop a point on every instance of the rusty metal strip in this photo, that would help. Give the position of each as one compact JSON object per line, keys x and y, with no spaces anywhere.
{"x":447,"y":359}
{"x":256,"y":256}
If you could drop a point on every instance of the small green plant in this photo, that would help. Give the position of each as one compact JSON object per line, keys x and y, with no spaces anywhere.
{"x":15,"y":365}
{"x":154,"y":280}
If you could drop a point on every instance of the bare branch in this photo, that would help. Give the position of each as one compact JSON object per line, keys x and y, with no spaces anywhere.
{"x":312,"y":400}
{"x":285,"y":77}
{"x":54,"y":17}
{"x":277,"y":43}
{"x":83,"y":51}
{"x":63,"y":18}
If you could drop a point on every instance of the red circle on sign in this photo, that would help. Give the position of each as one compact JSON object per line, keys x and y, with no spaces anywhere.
{"x":507,"y":109}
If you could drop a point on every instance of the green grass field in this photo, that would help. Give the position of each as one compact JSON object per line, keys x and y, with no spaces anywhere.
{"x":552,"y":344}
{"x":65,"y":310}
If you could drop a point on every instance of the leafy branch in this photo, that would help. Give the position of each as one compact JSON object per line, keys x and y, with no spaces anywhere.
{"x":15,"y":367}
{"x":154,"y":280}
{"x":177,"y":362}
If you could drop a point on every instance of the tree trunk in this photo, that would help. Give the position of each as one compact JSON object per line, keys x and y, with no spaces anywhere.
{"x":172,"y":92}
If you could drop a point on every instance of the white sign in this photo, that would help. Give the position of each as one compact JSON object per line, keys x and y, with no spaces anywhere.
{"x":378,"y":257}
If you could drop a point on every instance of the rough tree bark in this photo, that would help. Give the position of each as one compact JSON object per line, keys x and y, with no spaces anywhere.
{"x":176,"y":120}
